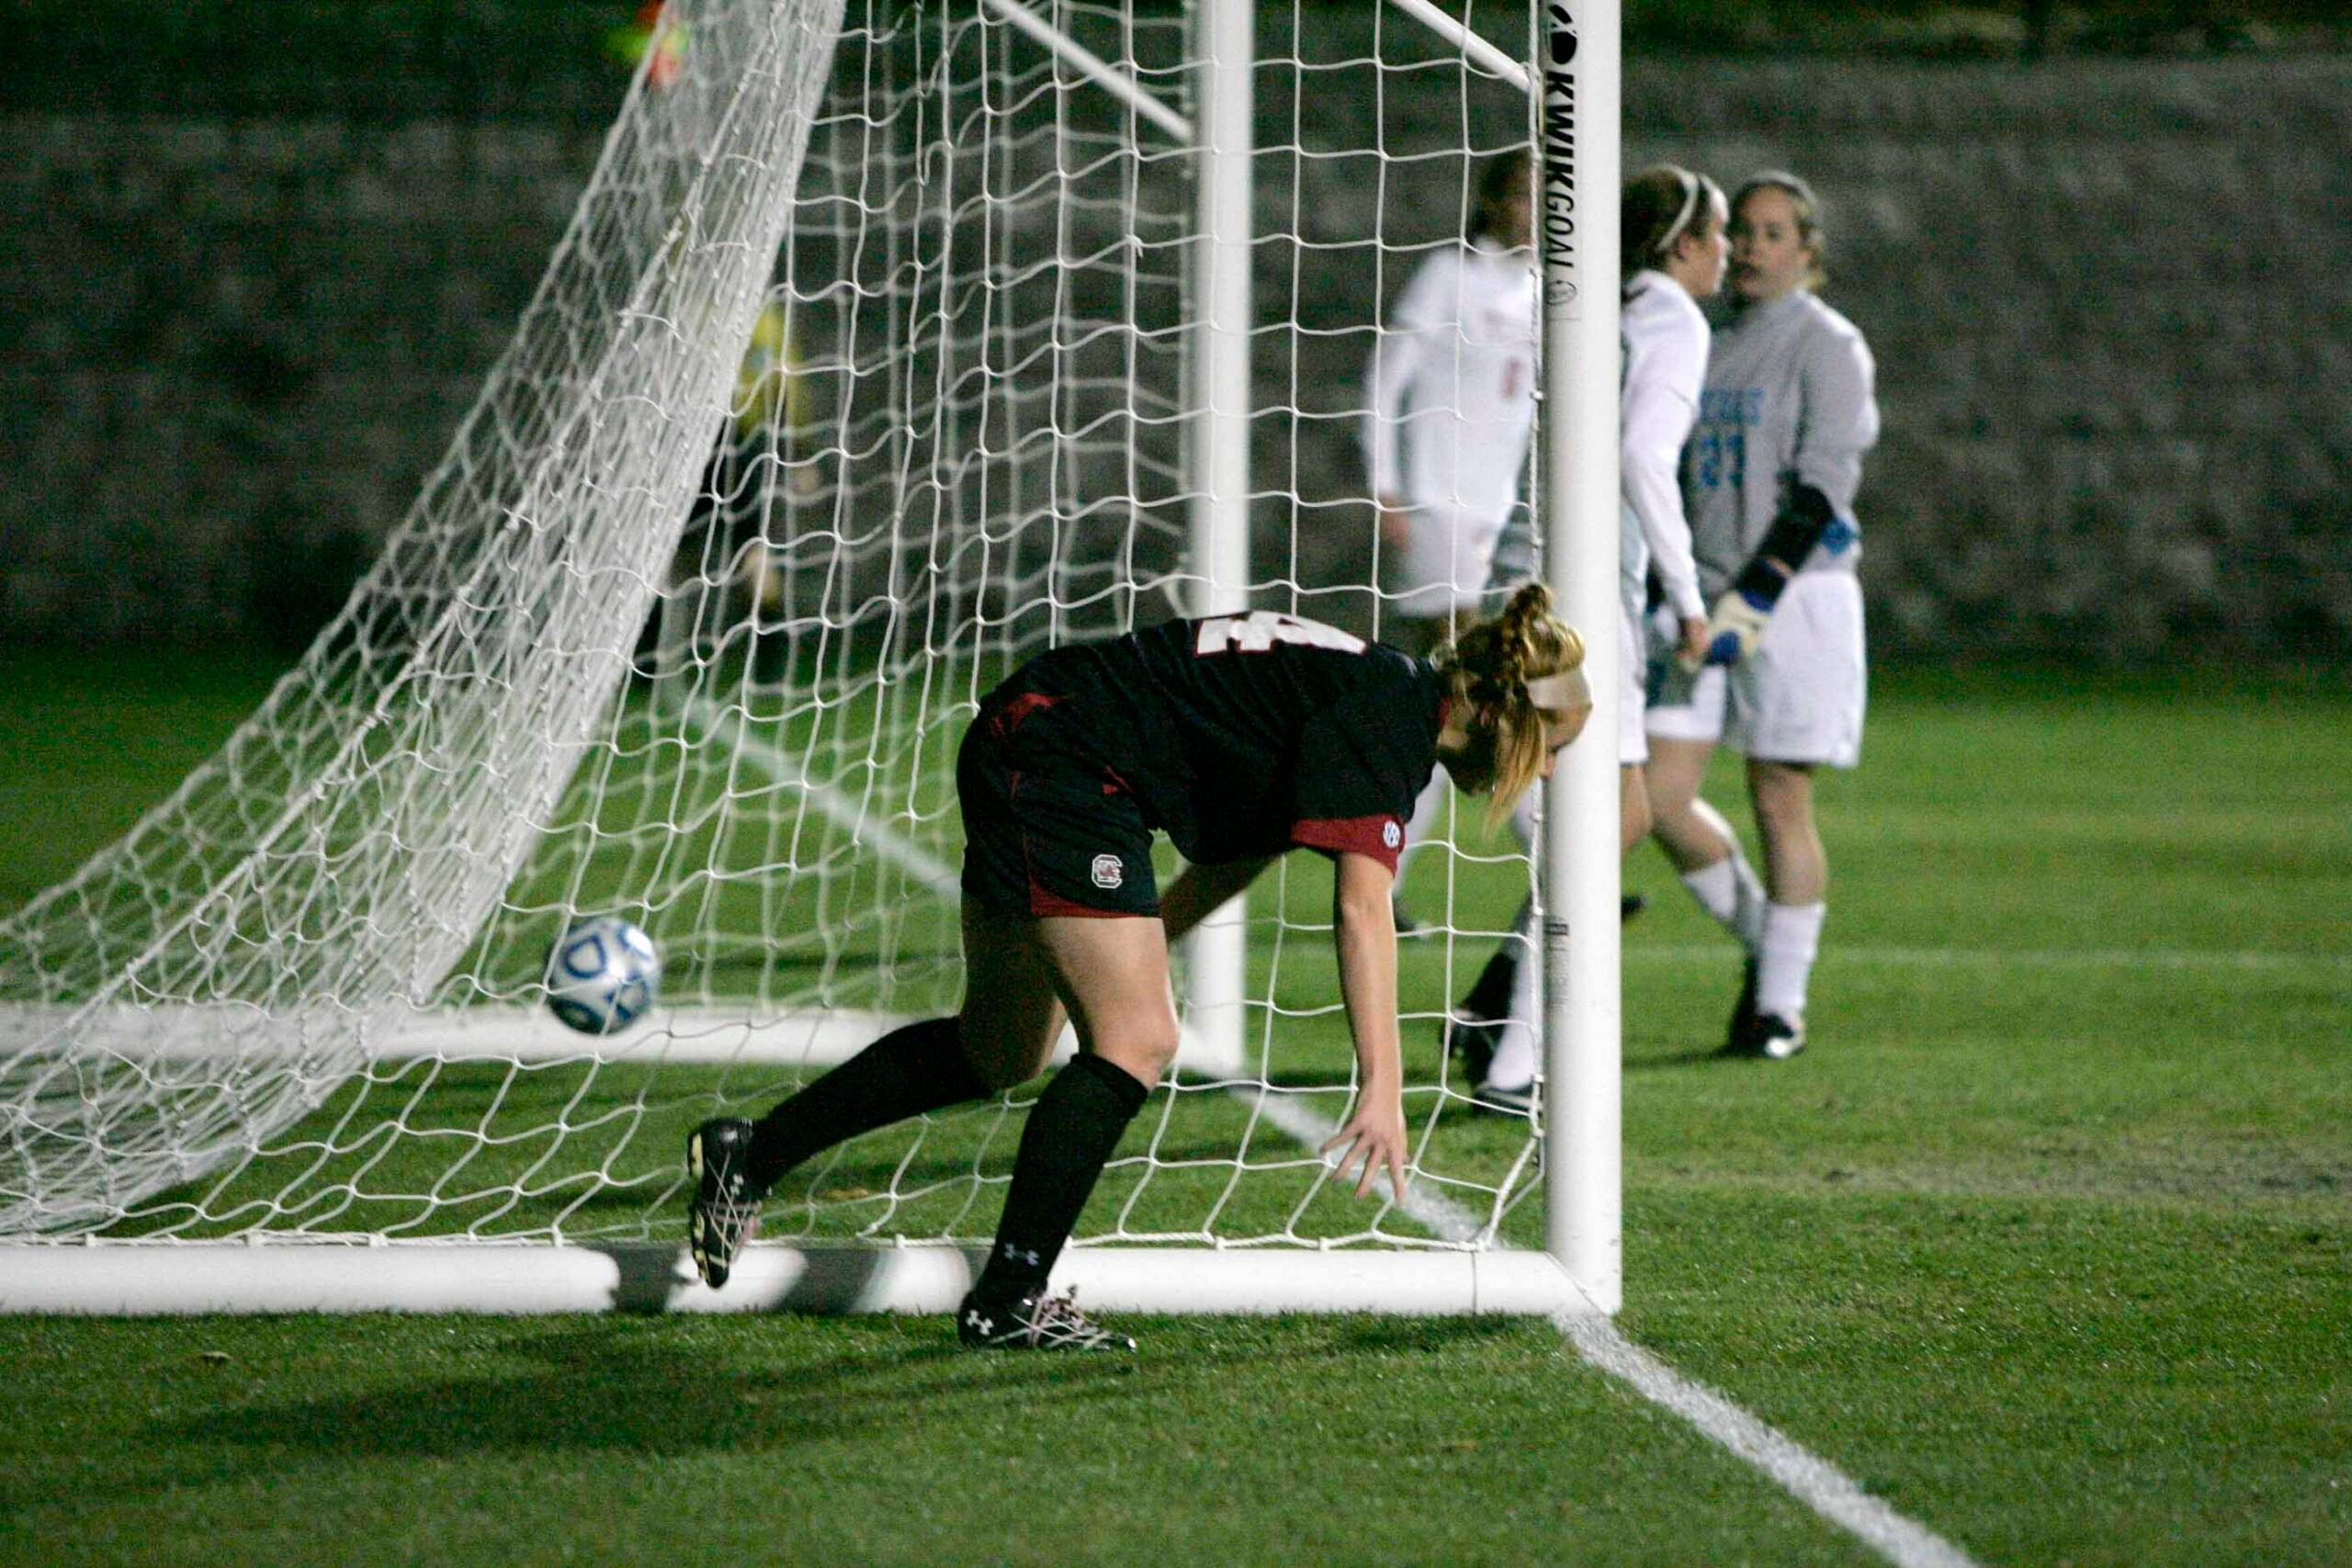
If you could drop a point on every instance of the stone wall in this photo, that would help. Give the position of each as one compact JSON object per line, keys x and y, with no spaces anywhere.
{"x":2114,"y":341}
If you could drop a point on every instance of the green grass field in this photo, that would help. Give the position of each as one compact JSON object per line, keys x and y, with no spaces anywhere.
{"x":2045,"y":1242}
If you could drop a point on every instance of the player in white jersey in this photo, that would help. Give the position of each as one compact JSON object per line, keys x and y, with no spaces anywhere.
{"x":1671,"y":254}
{"x":1452,"y":384}
{"x":1770,"y":475}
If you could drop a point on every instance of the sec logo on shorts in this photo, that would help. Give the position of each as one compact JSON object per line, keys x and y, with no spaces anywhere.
{"x":1391,"y":834}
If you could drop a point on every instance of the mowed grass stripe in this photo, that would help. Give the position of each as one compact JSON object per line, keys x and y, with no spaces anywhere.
{"x":2005,"y":957}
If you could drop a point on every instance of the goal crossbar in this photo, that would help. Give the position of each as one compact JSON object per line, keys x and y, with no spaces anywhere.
{"x":705,"y":1036}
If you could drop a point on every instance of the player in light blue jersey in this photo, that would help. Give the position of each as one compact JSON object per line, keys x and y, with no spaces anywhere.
{"x":1769,"y":477}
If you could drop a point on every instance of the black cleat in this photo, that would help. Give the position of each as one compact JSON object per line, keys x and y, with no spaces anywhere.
{"x":1406,"y":924}
{"x":1630,"y":905}
{"x":724,"y":1211}
{"x":1778,"y":1038}
{"x":1032,"y":1323}
{"x":1765,"y":1034}
{"x":1520,"y":1101}
{"x":1739,"y":1040}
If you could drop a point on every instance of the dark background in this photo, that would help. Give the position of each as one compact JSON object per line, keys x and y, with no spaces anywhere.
{"x":257,"y":259}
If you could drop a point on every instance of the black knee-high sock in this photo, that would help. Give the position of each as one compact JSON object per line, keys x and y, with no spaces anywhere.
{"x":919,"y":1067}
{"x":1072,"y":1129}
{"x":1489,"y":997}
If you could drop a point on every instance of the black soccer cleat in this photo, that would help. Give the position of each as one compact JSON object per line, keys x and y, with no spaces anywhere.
{"x":1766,"y":1035}
{"x":1778,"y":1038}
{"x":1520,"y":1101}
{"x":1739,"y":1040}
{"x":1630,"y":905}
{"x":724,"y":1211}
{"x":1038,"y":1322}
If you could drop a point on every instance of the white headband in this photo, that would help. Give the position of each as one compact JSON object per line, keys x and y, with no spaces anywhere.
{"x":1562,"y":692}
{"x":1690,"y":186}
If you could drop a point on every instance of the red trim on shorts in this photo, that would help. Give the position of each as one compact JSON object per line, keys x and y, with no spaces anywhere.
{"x":1044,"y":902}
{"x":1380,"y":837}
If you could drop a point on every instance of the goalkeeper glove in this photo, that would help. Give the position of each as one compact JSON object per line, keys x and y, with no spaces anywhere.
{"x":1739,"y":621}
{"x":1736,"y":628}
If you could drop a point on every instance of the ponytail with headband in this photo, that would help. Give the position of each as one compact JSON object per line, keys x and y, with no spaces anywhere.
{"x":1690,"y":186}
{"x":1659,"y":207}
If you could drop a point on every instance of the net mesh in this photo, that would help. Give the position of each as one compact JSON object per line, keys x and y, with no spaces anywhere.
{"x":863,"y":373}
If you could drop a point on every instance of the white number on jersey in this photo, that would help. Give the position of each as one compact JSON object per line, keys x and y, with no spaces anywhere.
{"x":1259,"y":631}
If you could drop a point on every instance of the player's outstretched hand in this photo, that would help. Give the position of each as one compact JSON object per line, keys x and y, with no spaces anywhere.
{"x":1375,"y":1135}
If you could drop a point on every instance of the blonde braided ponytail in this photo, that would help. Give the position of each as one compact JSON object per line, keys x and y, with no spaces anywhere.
{"x":1488,"y":668}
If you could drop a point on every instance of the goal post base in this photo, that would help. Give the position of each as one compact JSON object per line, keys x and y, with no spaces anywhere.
{"x":131,"y":1279}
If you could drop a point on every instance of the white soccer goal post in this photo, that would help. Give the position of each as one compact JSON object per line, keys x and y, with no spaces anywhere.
{"x":891,"y":342}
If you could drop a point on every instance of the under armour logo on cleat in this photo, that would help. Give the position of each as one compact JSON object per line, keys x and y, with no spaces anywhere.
{"x":980,"y":1324}
{"x":1015,"y":1255}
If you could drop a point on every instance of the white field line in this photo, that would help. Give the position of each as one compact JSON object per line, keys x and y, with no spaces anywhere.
{"x":1805,"y":1476}
{"x":1434,"y":1210}
{"x":782,"y":767}
{"x":1813,"y":1481}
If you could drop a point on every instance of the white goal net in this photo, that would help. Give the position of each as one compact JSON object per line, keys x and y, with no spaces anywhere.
{"x":870,"y":366}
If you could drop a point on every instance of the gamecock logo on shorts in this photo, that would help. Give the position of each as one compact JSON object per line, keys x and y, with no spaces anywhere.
{"x":1108,"y":871}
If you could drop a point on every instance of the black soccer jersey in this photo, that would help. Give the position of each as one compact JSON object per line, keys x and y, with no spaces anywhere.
{"x":1241,"y":736}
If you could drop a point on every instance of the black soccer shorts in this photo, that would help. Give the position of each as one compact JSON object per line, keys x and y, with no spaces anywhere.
{"x":1043,"y":832}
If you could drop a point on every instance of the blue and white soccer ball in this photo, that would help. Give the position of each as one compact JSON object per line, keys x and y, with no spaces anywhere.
{"x":604,"y":975}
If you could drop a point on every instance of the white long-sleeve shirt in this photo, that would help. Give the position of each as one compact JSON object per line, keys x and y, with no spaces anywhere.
{"x":1664,"y":340}
{"x":1789,"y":401}
{"x":1452,"y":382}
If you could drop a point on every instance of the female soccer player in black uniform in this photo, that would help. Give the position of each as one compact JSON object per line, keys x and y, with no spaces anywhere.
{"x":1240,"y":737}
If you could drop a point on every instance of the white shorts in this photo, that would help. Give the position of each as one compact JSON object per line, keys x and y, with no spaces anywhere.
{"x":1632,"y":737}
{"x":1799,"y":699}
{"x":1447,"y":562}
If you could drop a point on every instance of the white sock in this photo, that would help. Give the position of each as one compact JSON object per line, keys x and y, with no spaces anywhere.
{"x":1729,"y":890}
{"x":1784,"y":960}
{"x":1717,"y":893}
{"x":1514,"y":1063}
{"x":1518,"y":1050}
